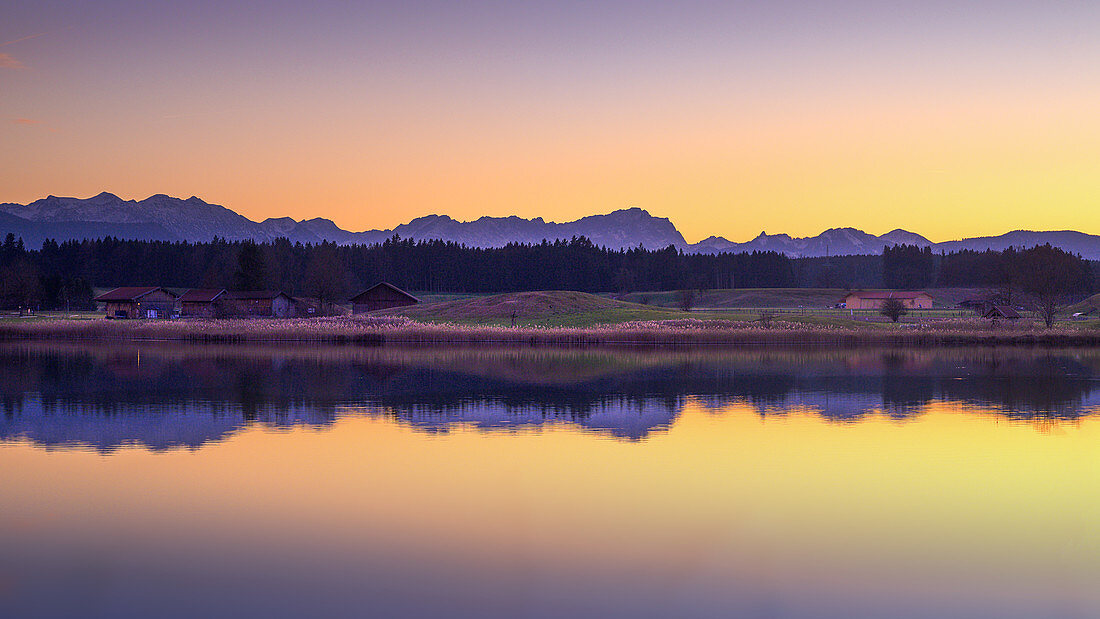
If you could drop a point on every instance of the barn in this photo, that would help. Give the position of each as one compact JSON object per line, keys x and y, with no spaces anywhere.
{"x":200,"y":302}
{"x":139,"y":302}
{"x":381,"y":296}
{"x":257,"y":303}
{"x":873,"y":300}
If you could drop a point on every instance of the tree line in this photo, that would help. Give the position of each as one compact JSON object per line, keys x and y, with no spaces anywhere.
{"x":910,"y":267}
{"x":62,"y":275}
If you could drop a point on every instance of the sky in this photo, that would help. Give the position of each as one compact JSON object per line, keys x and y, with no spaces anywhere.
{"x":949,"y":119}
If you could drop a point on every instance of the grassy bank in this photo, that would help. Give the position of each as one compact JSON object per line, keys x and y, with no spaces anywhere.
{"x":763,"y":298}
{"x":675,"y":332}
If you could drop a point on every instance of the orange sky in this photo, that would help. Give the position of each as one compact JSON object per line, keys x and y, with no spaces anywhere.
{"x":728,"y":119}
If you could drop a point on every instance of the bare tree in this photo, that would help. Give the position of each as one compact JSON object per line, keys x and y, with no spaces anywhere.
{"x":326,"y":277}
{"x":893,"y":309}
{"x":1049,"y":276}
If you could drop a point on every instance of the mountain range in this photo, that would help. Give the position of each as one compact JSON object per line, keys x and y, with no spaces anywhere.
{"x":162,"y":217}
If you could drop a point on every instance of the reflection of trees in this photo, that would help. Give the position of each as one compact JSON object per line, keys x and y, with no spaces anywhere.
{"x":627,"y":394}
{"x":1050,"y":385}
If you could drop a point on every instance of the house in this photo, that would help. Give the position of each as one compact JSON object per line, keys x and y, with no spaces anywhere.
{"x":381,"y":296}
{"x":257,"y":303}
{"x":873,"y":300}
{"x":200,"y":302}
{"x":1002,"y":312}
{"x":139,"y":302}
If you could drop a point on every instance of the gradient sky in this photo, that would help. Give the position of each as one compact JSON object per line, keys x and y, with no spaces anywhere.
{"x":949,"y":119}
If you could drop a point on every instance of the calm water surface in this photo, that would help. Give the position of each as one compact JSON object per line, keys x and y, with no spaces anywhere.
{"x":177,"y":481}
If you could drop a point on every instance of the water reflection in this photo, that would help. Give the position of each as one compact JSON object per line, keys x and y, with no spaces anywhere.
{"x":164,"y":396}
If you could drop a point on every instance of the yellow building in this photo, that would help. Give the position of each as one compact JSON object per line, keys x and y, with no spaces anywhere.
{"x":873,"y":300}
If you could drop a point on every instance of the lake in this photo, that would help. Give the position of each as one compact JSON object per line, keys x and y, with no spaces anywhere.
{"x":169,"y":480}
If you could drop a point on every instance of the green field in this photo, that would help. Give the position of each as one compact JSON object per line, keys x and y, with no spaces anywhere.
{"x":579,"y":309}
{"x":12,"y":316}
{"x":786,"y":298}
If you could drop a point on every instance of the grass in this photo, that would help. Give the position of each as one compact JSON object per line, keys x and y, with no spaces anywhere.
{"x":682,"y":331}
{"x":758,"y":298}
{"x":549,"y":309}
{"x":569,"y":319}
{"x":582,"y":310}
{"x":743,"y":298}
{"x":533,"y":309}
{"x":51,"y":315}
{"x":1089,"y":305}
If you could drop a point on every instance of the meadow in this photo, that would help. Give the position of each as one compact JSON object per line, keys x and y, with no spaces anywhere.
{"x":579,"y":319}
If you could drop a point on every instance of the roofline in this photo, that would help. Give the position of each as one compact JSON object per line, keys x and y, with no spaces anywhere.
{"x":388,"y":285}
{"x":220,"y":292}
{"x":886,"y":293}
{"x":150,"y":290}
{"x":278,"y":293}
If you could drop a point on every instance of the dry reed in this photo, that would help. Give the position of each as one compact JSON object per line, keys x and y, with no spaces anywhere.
{"x":373,"y":330}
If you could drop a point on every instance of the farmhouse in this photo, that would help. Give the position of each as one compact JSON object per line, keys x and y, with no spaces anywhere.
{"x":873,"y":300}
{"x":200,"y":303}
{"x":257,"y":303}
{"x":139,"y":302}
{"x":381,"y":296}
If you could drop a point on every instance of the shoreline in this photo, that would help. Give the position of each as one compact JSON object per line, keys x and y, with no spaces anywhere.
{"x":373,"y":331}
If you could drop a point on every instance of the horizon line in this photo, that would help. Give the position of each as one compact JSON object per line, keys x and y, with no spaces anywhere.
{"x":544,"y":220}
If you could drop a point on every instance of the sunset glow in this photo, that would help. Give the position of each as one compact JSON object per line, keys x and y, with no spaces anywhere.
{"x":484,"y":505}
{"x":729,"y":118}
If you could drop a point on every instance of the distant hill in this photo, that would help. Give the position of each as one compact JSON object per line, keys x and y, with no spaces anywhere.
{"x":162,"y":217}
{"x":542,"y":307}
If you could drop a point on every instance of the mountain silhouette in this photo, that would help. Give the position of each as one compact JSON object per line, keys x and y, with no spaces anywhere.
{"x":162,"y":217}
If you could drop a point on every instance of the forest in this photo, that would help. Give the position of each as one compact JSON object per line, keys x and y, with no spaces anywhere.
{"x":63,"y":275}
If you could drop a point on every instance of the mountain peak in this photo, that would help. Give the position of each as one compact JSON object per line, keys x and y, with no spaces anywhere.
{"x":633,"y":211}
{"x":898,"y":236}
{"x":166,"y":218}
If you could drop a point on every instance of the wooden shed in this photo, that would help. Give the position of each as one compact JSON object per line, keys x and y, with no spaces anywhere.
{"x":1003,"y":312}
{"x":139,"y":302}
{"x":257,"y":303}
{"x":200,"y":302}
{"x":381,"y":296}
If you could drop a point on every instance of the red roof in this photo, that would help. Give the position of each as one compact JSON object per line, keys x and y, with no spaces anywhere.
{"x":132,"y":293}
{"x":201,"y":295}
{"x":888,"y":294}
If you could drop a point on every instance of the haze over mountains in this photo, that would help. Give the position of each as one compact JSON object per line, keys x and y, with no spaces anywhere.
{"x":162,"y":217}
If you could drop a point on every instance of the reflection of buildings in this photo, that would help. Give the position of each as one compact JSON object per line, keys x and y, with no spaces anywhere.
{"x":187,"y":396}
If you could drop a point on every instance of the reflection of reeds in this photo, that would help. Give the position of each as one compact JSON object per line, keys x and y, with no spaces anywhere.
{"x":683,"y":332}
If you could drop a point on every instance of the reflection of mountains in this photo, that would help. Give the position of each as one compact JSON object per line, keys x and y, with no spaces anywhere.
{"x":167,"y":396}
